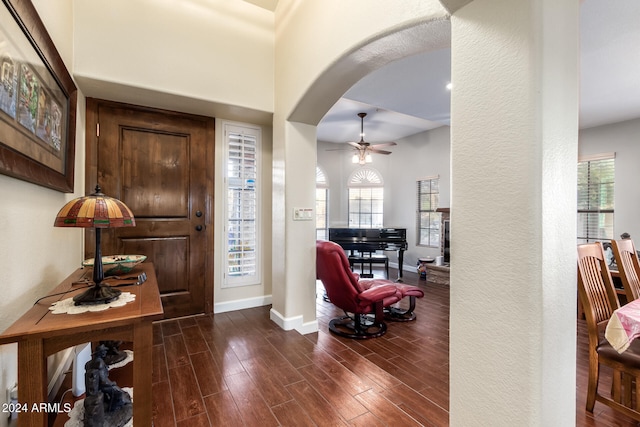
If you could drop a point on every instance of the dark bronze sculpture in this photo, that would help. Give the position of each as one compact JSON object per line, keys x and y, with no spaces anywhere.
{"x":105,"y":403}
{"x":114,"y":354}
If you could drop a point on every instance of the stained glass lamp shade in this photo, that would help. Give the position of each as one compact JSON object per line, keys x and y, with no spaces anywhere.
{"x":96,"y":211}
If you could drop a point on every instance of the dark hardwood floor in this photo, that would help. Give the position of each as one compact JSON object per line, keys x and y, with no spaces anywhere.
{"x":239,"y":368}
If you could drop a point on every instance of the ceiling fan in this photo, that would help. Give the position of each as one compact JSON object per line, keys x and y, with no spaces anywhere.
{"x":364,"y":149}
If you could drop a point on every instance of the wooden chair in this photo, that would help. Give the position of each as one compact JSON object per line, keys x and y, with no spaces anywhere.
{"x":626,"y":257}
{"x":599,"y":300}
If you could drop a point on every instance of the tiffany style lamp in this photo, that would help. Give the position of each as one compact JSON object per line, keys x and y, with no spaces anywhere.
{"x":96,"y":211}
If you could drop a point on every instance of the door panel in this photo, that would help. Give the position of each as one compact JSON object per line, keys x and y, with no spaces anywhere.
{"x":163,"y":190}
{"x":160,"y":164}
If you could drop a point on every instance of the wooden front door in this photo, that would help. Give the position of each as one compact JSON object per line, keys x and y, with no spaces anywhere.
{"x":160,"y":164}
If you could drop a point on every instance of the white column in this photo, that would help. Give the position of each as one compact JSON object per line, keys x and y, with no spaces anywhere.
{"x":294,"y":253}
{"x":514,"y":128}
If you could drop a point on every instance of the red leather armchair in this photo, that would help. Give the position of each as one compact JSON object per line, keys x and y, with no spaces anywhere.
{"x":364,"y":315}
{"x":332,"y":268}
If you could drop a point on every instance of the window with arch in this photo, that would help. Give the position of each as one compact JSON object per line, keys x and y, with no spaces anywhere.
{"x":366,"y":199}
{"x":322,"y":212}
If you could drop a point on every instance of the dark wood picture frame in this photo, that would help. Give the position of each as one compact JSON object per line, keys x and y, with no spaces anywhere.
{"x":38,"y":101}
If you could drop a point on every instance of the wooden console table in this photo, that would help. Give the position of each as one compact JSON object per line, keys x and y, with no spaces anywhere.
{"x":39,"y":333}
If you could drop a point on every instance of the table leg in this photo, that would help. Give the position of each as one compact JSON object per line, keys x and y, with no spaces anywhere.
{"x":142,"y":370}
{"x":32,"y":383}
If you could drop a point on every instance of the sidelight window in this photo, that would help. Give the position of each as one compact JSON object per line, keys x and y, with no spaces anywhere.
{"x":242,"y":181}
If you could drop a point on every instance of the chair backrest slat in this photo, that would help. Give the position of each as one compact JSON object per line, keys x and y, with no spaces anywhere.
{"x":597,"y":294}
{"x":626,"y":257}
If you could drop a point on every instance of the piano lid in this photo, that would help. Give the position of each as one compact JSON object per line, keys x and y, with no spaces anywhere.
{"x":352,"y":234}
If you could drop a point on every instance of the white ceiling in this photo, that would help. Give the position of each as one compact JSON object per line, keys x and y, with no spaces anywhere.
{"x":410,"y":96}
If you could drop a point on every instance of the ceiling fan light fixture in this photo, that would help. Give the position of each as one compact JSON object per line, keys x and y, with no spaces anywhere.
{"x":363,"y":149}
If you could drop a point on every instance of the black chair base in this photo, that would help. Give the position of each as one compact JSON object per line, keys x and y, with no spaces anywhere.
{"x":399,"y":315}
{"x":358,"y":327}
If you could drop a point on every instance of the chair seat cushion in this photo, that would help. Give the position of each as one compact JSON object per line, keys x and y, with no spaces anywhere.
{"x":630,"y":357}
{"x":378,"y":293}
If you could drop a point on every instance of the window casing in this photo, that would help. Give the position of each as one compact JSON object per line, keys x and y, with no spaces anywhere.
{"x":596,"y":178}
{"x":242,"y":205}
{"x":428,"y":220}
{"x":366,"y":199}
{"x":322,"y":199}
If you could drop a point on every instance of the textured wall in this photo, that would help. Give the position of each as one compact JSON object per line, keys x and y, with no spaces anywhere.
{"x":514,"y":145}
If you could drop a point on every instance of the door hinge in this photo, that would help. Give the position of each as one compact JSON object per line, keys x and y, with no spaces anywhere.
{"x":98,"y":130}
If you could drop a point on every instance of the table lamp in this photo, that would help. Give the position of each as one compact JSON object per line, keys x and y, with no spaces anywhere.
{"x":96,"y":211}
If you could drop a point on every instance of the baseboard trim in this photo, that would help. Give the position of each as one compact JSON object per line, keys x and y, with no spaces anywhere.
{"x":295,"y":322}
{"x":61,"y":371}
{"x":405,"y":267}
{"x":241,"y":304}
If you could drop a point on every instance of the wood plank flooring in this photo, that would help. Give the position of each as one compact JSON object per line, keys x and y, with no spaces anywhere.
{"x":240,"y":369}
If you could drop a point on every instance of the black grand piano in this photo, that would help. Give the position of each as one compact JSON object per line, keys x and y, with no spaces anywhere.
{"x":372,"y":239}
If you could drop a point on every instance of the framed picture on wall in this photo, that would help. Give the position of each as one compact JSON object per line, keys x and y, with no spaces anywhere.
{"x":38,"y":101}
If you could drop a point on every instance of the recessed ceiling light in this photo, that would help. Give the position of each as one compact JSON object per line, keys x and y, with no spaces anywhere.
{"x":449,"y":86}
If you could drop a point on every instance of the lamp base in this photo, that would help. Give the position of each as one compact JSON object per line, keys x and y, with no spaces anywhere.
{"x":97,"y":294}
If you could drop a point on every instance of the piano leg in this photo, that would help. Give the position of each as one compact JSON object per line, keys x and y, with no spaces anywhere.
{"x":400,"y":259}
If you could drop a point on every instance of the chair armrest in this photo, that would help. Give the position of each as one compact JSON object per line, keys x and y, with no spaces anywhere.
{"x":377,"y":293}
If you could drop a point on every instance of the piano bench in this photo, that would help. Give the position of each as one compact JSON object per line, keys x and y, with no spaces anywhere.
{"x":369,"y":258}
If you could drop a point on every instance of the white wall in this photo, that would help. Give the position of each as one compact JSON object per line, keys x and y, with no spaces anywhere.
{"x":218,"y":51}
{"x":35,"y":256}
{"x":621,"y":138}
{"x":428,"y":154}
{"x":423,"y":155}
{"x":514,"y":142}
{"x":415,"y":157}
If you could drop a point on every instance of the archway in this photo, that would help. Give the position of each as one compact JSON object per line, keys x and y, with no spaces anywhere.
{"x":516,"y":366}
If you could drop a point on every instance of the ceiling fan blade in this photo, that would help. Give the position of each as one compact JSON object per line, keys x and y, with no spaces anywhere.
{"x":374,"y":150}
{"x":384,"y":144}
{"x":339,"y":149}
{"x":355,"y":144}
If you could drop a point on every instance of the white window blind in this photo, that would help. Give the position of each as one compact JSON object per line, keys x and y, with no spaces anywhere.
{"x":595,"y":199}
{"x":242,"y":205}
{"x":428,"y":220}
{"x":366,"y":199}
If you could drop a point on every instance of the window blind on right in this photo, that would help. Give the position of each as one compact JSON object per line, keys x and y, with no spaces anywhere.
{"x":596,"y":179}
